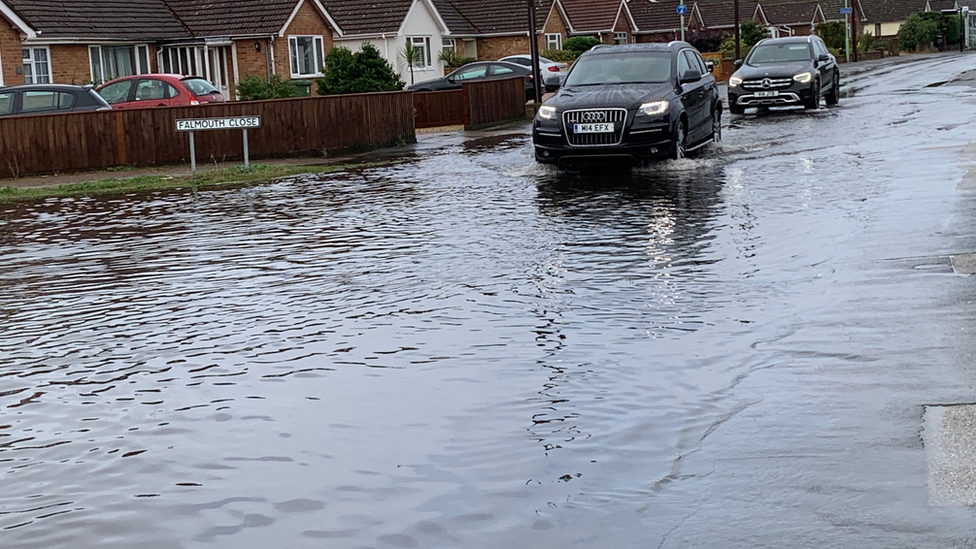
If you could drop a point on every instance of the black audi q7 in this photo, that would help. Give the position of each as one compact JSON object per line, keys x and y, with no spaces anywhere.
{"x":783,"y":72}
{"x":631,"y":102}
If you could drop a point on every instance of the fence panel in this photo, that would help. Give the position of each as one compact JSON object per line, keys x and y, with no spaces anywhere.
{"x":493,"y":101}
{"x":145,"y":137}
{"x":439,"y":108}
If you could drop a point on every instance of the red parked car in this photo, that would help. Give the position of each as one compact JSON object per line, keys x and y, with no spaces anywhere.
{"x":158,"y":90}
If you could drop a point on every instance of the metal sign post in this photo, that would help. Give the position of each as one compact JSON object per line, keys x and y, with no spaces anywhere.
{"x":846,"y":12}
{"x":682,"y":9}
{"x":192,"y":125}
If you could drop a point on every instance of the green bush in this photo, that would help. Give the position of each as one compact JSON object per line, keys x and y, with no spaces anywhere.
{"x":580,"y":44}
{"x":727,"y":47}
{"x":833,"y":34}
{"x":918,"y":29}
{"x":706,"y":40}
{"x":453,"y":61}
{"x":254,"y":88}
{"x":560,"y":56}
{"x":361,"y":72}
{"x":751,"y":32}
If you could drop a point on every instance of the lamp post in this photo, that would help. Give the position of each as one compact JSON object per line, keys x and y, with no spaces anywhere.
{"x":534,"y":53}
{"x":681,"y":10}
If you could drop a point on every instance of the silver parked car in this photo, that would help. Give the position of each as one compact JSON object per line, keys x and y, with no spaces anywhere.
{"x":545,"y":65}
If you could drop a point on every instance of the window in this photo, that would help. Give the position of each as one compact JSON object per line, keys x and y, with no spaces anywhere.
{"x":306,"y":56}
{"x":554,"y":41}
{"x":39,"y":101}
{"x":620,"y":38}
{"x":200,"y":86}
{"x":877,"y":30}
{"x":111,"y":62}
{"x":117,"y":92}
{"x":6,"y":103}
{"x":421,"y":43}
{"x":150,"y":90}
{"x":683,"y":65}
{"x":185,"y":60}
{"x":37,"y":65}
{"x":471,"y":72}
{"x":448,"y":46}
{"x":498,"y":70}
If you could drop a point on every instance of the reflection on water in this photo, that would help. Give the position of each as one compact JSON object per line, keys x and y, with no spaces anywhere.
{"x":453,"y":349}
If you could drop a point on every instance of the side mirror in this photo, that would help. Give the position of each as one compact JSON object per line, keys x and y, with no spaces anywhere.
{"x":553,"y":83}
{"x":689,"y":76}
{"x":823,"y":57}
{"x":737,"y":63}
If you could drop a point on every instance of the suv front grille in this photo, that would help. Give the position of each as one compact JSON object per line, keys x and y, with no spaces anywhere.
{"x":618,"y":117}
{"x":767,"y":83}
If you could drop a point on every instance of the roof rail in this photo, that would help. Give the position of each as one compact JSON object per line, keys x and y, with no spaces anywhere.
{"x":599,"y":46}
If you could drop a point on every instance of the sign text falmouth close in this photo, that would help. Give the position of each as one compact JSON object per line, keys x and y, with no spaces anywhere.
{"x":229,"y":123}
{"x":235,"y":123}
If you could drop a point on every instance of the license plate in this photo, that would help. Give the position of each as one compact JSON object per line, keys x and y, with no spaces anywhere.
{"x":593,"y":128}
{"x":767,"y":94}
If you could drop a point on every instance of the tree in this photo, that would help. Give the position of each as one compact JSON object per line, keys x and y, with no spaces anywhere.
{"x":750,"y":32}
{"x":580,"y":44}
{"x":833,"y":34}
{"x":413,"y":56}
{"x":918,"y":29}
{"x":705,"y":40}
{"x":361,"y":72}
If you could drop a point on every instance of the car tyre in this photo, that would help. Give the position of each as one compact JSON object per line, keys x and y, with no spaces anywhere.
{"x":833,"y":96}
{"x":814,"y":102}
{"x":679,"y":141}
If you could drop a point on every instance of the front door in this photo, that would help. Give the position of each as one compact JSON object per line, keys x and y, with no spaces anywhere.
{"x":217,"y":69}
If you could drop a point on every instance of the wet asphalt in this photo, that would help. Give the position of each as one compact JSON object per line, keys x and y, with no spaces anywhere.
{"x":769,"y":345}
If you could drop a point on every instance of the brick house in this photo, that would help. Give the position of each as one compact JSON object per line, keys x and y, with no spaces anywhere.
{"x":230,"y":39}
{"x":53,"y":41}
{"x":610,"y":21}
{"x":492,"y":29}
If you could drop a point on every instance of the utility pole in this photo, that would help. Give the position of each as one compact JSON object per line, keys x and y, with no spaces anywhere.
{"x":534,"y":53}
{"x":853,"y":38}
{"x":847,"y":31}
{"x":735,"y":19}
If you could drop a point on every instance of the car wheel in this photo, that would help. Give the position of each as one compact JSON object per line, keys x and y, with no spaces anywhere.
{"x":833,"y":96}
{"x":717,"y":124}
{"x":814,"y":101}
{"x":678,"y":141}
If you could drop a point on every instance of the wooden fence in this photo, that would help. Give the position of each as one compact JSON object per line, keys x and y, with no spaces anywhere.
{"x":143,"y":137}
{"x":493,"y":101}
{"x":439,"y":108}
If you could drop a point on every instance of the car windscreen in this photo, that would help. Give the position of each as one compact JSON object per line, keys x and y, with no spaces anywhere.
{"x":621,"y":68}
{"x":199,"y":86}
{"x":779,"y":53}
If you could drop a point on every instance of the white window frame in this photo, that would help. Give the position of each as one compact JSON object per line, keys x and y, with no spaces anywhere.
{"x":422,"y":42}
{"x":620,"y":38}
{"x":318,"y":44}
{"x":140,"y":53}
{"x":448,"y":44}
{"x":30,"y":59}
{"x":184,"y":60}
{"x":554,"y":41}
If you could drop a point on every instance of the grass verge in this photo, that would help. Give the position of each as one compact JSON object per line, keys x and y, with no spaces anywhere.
{"x":225,"y":177}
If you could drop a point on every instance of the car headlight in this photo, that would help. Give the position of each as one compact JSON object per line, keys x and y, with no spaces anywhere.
{"x":653,"y":108}
{"x":803,"y":77}
{"x":547,"y":112}
{"x":734,"y":81}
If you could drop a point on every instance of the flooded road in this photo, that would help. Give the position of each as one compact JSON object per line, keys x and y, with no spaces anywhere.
{"x":465,"y":349}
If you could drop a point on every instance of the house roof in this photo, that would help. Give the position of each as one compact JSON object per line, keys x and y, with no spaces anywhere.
{"x":233,"y":17}
{"x":591,"y":15}
{"x":493,"y":16}
{"x":369,"y":16}
{"x":456,"y":22}
{"x":109,"y":20}
{"x":789,"y":13}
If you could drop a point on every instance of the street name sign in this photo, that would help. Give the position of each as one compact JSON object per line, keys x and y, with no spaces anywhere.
{"x":232,"y":123}
{"x":191,"y":125}
{"x":845,"y":11}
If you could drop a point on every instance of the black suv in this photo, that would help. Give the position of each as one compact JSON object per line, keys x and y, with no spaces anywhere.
{"x":781,"y":72}
{"x":633,"y":102}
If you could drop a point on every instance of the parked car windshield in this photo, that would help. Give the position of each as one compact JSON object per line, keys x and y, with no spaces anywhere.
{"x":199,"y":86}
{"x":621,"y":68}
{"x":779,"y":53}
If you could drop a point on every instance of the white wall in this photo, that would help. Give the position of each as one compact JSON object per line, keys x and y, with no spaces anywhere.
{"x":420,"y":22}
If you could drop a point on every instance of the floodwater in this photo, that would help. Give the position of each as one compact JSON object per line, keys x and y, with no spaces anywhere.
{"x":462,"y":349}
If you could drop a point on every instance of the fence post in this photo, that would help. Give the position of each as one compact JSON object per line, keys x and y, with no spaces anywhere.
{"x":193,"y":156}
{"x":247,"y":159}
